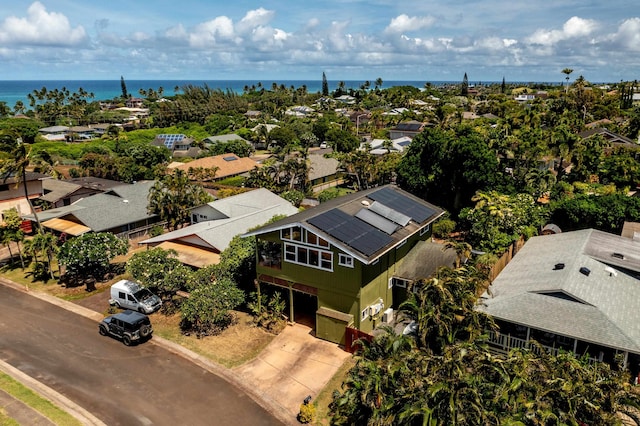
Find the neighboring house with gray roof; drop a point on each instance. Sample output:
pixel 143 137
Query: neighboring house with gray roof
pixel 215 224
pixel 577 291
pixel 122 210
pixel 324 172
pixel 231 137
pixel 60 193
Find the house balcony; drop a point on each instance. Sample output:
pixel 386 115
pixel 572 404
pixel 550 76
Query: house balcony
pixel 273 262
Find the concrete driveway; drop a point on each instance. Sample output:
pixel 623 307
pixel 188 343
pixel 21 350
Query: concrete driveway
pixel 294 365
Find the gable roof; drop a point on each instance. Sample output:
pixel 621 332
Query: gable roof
pixel 120 206
pixel 243 212
pixel 564 284
pixel 29 177
pixel 409 126
pixel 321 166
pixel 225 138
pixel 364 224
pixel 610 136
pixel 227 164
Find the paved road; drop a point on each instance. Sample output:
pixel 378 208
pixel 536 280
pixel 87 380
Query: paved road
pixel 120 385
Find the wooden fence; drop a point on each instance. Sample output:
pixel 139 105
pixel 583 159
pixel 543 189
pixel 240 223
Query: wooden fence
pixel 505 259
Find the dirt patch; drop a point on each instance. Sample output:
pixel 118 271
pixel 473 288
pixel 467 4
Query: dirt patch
pixel 234 346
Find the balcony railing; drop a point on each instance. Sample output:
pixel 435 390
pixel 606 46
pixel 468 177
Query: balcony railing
pixel 505 342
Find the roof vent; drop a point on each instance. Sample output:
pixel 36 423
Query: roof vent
pixel 365 203
pixel 584 270
pixel 612 272
pixel 558 266
pixel 618 255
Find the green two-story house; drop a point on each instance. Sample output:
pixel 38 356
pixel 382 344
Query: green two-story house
pixel 339 262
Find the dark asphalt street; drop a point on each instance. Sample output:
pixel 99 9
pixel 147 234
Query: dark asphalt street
pixel 120 385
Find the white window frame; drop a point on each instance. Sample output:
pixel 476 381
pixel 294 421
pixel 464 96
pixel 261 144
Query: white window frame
pixel 320 242
pixel 345 260
pixel 403 242
pixel 364 314
pixel 390 284
pixel 425 229
pixel 399 282
pixel 292 256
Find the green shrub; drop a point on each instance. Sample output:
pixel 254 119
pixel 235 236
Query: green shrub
pixel 444 227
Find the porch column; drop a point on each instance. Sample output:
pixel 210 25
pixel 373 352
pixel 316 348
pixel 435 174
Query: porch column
pixel 528 335
pixel 575 346
pixel 626 360
pixel 291 318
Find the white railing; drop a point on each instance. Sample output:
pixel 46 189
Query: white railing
pixel 506 342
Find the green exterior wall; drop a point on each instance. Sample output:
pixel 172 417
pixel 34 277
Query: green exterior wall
pixel 345 289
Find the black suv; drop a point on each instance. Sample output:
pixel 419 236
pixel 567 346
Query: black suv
pixel 130 326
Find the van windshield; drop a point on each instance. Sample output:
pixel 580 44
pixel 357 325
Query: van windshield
pixel 143 294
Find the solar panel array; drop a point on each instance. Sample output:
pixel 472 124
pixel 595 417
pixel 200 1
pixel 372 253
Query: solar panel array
pixel 403 204
pixel 377 221
pixel 389 213
pixel 352 231
pixel 170 140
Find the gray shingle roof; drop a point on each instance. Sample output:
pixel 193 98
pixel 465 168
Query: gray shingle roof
pixel 244 212
pixel 122 205
pixel 601 307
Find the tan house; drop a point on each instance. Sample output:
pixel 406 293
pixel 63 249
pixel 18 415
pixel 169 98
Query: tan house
pixel 221 167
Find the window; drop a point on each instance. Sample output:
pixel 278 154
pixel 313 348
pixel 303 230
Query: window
pixel 399 282
pixel 425 229
pixel 364 314
pixel 345 260
pixel 308 256
pixel 296 233
pixel 403 242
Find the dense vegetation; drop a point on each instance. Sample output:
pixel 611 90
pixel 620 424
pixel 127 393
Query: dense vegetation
pixel 501 168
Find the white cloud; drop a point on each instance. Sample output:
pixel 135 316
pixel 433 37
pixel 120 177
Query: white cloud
pixel 628 35
pixel 404 23
pixel 575 27
pixel 255 18
pixel 211 32
pixel 41 28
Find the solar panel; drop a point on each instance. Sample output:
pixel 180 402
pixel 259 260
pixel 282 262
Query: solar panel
pixel 377 221
pixel 389 213
pixel 170 140
pixel 402 204
pixel 351 231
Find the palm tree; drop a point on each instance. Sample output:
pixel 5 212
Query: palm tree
pixel 567 71
pixel 17 165
pixel 462 249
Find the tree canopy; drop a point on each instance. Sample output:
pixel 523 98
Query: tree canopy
pixel 90 253
pixel 173 195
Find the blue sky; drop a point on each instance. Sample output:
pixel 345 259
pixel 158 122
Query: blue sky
pixel 271 40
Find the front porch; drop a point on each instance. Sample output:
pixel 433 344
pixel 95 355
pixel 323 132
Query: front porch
pixel 512 336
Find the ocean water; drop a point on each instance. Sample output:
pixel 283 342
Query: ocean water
pixel 12 91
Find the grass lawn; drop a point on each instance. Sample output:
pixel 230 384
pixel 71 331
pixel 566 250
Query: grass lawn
pixel 33 400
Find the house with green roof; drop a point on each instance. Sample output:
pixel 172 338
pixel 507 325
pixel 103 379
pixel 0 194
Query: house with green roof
pixel 337 263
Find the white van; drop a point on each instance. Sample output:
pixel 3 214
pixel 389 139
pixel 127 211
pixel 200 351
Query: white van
pixel 131 295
